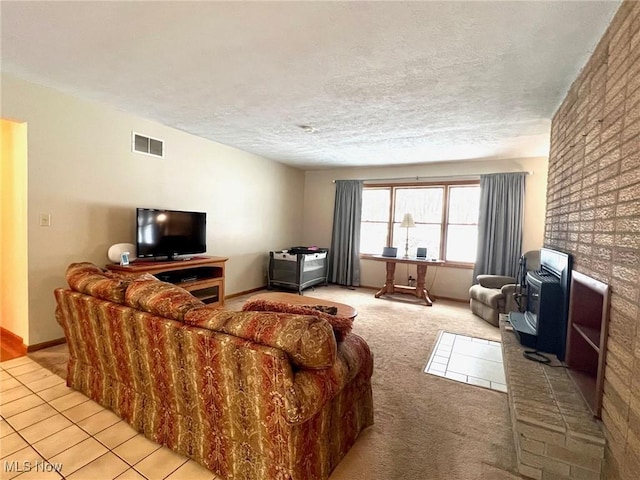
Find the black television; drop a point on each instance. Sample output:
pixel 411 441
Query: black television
pixel 170 233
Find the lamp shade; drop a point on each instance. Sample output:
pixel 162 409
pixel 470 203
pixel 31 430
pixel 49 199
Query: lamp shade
pixel 407 221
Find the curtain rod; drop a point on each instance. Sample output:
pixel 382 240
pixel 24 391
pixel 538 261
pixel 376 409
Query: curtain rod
pixel 471 176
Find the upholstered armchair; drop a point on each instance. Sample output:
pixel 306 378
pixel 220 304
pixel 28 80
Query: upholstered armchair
pixel 496 294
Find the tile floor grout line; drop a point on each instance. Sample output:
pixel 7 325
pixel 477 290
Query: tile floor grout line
pixel 433 352
pixel 22 398
pixel 175 470
pixel 29 445
pixel 143 458
pixel 478 358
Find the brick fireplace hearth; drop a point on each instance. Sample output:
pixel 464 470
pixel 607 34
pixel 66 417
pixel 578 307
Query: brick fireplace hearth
pixel 555 433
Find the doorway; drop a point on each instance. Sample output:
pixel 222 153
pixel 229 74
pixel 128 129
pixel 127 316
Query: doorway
pixel 14 294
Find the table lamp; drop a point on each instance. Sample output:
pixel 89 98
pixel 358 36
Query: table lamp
pixel 407 222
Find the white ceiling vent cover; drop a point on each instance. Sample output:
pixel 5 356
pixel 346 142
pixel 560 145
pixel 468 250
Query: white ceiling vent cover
pixel 147 145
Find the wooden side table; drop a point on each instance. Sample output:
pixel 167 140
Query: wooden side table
pixel 420 290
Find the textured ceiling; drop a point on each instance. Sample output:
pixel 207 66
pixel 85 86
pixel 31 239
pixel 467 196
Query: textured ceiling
pixel 380 82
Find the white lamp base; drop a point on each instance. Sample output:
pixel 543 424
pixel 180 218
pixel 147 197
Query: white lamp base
pixel 406 246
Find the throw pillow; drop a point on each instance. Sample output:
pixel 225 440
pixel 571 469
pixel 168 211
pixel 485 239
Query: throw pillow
pixel 341 325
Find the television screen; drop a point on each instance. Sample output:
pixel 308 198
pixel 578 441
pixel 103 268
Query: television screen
pixel 169 233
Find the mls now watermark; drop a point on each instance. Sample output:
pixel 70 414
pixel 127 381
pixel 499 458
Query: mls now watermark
pixel 27 466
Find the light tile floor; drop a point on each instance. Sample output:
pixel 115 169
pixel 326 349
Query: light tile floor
pixel 49 431
pixel 468 360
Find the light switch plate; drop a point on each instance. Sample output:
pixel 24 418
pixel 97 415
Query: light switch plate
pixel 45 219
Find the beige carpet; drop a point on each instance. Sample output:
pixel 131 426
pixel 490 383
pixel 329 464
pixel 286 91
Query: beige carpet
pixel 426 427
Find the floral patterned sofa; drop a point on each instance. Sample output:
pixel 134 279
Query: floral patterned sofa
pixel 249 395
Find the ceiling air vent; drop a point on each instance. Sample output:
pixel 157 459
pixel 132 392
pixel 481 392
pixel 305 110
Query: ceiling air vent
pixel 147 145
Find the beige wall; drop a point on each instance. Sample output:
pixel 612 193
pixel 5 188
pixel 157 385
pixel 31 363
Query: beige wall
pixel 82 172
pixel 446 282
pixel 593 212
pixel 13 230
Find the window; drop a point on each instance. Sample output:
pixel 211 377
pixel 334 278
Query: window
pixel 445 214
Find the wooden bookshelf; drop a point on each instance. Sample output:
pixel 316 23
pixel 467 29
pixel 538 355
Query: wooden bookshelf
pixel 587 337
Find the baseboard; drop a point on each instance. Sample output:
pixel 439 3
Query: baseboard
pixel 451 299
pixel 265 287
pixel 13 341
pixel 433 297
pixel 245 292
pixel 367 287
pixel 50 343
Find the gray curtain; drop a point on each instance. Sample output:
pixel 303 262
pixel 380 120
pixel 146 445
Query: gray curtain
pixel 500 224
pixel 344 265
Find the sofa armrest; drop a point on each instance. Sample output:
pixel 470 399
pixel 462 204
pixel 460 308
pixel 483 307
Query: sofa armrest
pixel 494 281
pixel 312 389
pixel 87 278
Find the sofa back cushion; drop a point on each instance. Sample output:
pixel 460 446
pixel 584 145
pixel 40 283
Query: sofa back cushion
pixel 160 298
pixel 85 277
pixel 308 341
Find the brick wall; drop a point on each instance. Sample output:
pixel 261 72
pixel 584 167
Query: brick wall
pixel 593 212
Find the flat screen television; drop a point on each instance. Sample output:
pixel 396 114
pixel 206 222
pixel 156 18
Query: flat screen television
pixel 170 233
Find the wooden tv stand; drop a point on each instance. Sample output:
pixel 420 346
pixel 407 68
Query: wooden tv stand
pixel 202 276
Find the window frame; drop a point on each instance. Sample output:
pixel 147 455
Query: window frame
pixel 446 186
